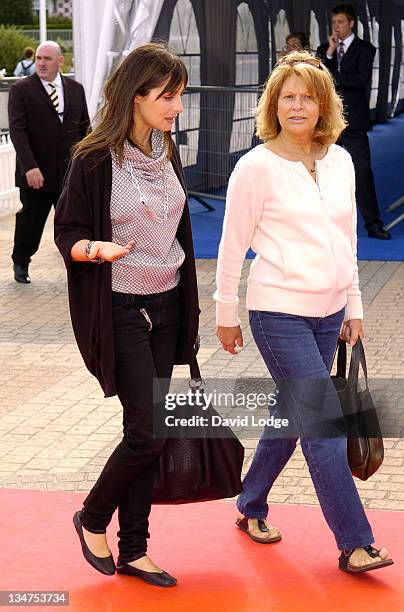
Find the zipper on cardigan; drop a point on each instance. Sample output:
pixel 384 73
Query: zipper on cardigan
pixel 146 316
pixel 326 215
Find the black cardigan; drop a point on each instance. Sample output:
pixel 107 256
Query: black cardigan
pixel 83 212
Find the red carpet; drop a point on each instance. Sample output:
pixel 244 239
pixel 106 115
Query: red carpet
pixel 218 568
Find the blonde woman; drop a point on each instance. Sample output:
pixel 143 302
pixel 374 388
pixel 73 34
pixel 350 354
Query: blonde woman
pixel 292 200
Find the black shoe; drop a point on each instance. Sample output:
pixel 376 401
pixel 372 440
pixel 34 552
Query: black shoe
pixel 161 579
pixel 105 565
pixel 379 233
pixel 21 274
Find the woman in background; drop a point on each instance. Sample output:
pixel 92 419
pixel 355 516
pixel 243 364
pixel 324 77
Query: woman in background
pixel 295 41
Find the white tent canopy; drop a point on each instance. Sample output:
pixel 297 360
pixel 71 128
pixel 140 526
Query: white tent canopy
pixel 103 31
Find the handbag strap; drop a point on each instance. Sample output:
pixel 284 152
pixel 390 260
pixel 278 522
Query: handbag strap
pixel 358 359
pixel 341 359
pixel 195 373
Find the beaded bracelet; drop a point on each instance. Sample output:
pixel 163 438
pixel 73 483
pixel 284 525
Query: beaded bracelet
pixel 87 249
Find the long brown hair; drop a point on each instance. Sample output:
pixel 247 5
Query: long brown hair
pixel 149 66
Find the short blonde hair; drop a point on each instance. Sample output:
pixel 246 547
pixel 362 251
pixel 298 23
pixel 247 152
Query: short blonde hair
pixel 320 85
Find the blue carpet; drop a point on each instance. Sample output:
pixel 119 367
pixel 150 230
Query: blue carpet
pixel 386 143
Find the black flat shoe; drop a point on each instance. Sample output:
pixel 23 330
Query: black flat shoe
pixel 21 274
pixel 345 566
pixel 105 565
pixel 161 579
pixel 379 233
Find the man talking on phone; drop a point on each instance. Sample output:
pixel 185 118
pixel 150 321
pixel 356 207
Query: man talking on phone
pixel 350 60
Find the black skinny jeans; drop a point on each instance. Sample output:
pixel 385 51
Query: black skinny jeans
pixel 141 355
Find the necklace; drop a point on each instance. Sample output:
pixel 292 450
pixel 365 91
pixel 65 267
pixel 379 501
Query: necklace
pixel 313 169
pixel 149 211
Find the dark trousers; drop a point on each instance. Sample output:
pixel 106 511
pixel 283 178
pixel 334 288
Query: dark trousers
pixel 141 355
pixel 356 142
pixel 30 222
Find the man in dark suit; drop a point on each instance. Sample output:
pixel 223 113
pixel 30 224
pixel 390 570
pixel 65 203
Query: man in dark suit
pixel 47 115
pixel 350 60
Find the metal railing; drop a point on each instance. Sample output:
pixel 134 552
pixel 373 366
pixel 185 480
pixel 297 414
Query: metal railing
pixel 215 129
pixel 392 208
pixel 9 198
pixel 66 34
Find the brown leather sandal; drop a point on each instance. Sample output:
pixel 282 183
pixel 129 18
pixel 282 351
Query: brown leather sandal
pixel 242 523
pixel 345 566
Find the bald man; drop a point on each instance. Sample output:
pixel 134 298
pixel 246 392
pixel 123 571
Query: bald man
pixel 47 116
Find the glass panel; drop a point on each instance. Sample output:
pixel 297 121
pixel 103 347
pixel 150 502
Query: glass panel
pixel 281 30
pixel 392 57
pixel 360 29
pixel 270 42
pixel 243 121
pixel 375 77
pixel 246 45
pixel 369 21
pixel 246 75
pixel 314 32
pixel 184 40
pixel 189 123
pixel 401 86
pixel 246 39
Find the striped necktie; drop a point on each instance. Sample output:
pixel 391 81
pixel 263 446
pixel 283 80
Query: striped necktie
pixel 54 97
pixel 340 54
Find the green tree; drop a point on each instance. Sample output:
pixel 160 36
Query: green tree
pixel 15 12
pixel 12 44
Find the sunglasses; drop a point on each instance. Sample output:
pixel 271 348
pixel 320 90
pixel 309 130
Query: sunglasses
pixel 312 62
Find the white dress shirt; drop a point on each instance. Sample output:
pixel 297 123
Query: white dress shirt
pixel 59 89
pixel 347 43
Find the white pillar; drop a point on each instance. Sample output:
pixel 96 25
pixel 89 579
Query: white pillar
pixel 87 24
pixel 42 21
pixel 104 47
pixel 93 31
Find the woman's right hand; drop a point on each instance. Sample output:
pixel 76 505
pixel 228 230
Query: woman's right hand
pixel 230 337
pixel 109 251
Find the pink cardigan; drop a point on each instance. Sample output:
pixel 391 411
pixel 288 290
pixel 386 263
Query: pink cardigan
pixel 303 234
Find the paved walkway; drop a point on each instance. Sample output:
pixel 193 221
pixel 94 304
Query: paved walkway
pixel 56 429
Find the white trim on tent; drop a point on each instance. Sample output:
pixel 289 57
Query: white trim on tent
pixel 94 23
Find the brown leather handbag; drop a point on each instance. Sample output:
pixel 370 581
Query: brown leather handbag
pixel 365 441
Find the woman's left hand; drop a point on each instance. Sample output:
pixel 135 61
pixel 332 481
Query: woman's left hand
pixel 351 331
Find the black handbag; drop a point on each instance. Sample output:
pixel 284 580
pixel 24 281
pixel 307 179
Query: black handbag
pixel 192 469
pixel 365 441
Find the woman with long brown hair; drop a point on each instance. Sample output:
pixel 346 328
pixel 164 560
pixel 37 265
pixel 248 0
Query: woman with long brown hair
pixel 135 314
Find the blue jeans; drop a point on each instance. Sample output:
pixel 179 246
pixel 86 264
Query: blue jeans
pixel 302 348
